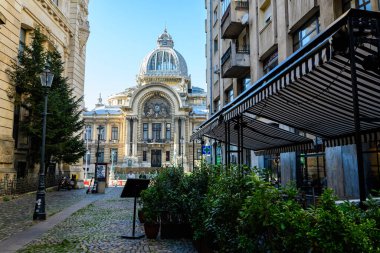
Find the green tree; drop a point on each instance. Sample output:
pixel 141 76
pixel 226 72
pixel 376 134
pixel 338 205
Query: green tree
pixel 64 123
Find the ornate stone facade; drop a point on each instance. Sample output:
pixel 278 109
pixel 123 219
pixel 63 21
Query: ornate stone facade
pixel 149 125
pixel 65 24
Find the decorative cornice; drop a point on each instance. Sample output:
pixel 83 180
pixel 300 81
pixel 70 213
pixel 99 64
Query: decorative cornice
pixel 57 15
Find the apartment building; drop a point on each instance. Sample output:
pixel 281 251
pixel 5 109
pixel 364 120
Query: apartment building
pixel 251 44
pixel 64 22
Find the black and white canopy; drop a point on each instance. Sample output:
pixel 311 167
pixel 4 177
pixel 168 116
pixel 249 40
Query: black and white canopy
pixel 312 90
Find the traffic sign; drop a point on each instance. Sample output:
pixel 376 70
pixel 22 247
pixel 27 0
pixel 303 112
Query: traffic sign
pixel 206 150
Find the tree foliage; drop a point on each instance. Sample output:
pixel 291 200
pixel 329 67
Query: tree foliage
pixel 64 123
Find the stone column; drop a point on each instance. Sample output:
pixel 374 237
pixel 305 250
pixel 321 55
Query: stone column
pixel 285 47
pixel 134 145
pixel 126 137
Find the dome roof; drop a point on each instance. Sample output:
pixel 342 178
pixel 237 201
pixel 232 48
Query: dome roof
pixel 164 60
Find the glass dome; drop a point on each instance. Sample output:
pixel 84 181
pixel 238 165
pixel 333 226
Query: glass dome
pixel 164 60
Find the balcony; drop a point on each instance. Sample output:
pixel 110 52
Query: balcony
pixel 156 141
pixel 235 62
pixel 233 23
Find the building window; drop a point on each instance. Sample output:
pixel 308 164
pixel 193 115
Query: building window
pixel 364 4
pixel 225 5
pixel 230 95
pixel 244 85
pixel 145 131
pixel 372 155
pixel 168 134
pixel 102 133
pixel 144 156
pixel 215 14
pixel 167 156
pixel 101 155
pixel 360 4
pixel 119 101
pixel 216 44
pixel 216 105
pixel 265 14
pixel 311 173
pixel 114 133
pixel 156 127
pixel 22 41
pixel 270 62
pixel 303 35
pixel 88 133
pixel 55 2
pixel 113 155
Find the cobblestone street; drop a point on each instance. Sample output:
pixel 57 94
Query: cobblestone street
pixel 95 228
pixel 16 215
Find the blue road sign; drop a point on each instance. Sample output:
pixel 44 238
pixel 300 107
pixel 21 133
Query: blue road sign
pixel 206 150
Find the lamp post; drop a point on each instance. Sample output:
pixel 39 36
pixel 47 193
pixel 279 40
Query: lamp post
pixel 182 142
pixel 39 210
pixel 87 152
pixel 111 174
pixel 100 128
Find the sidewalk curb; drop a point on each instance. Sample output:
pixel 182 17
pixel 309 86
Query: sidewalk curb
pixel 19 240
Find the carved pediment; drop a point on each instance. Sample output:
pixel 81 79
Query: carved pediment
pixel 156 107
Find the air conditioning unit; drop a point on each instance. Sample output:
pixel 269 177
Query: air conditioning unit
pixel 216 69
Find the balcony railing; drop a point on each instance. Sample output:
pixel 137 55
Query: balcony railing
pixel 235 61
pixel 226 55
pixel 241 4
pixel 231 23
pixel 152 141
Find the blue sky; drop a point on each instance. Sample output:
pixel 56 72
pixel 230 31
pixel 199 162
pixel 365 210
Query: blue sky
pixel 123 32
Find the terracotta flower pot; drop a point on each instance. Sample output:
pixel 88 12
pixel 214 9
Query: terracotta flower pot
pixel 140 214
pixel 151 230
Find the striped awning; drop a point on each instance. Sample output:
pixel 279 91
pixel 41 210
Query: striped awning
pixel 312 91
pixel 258 135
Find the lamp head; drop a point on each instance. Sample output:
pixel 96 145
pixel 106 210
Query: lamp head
pixel 46 77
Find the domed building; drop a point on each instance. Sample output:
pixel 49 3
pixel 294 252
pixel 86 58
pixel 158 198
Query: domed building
pixel 149 125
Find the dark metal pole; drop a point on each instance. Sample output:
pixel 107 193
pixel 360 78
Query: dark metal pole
pixel 225 143
pixel 97 159
pixel 193 154
pixel 39 209
pixel 239 141
pixel 183 143
pixel 228 143
pixel 241 129
pixel 355 99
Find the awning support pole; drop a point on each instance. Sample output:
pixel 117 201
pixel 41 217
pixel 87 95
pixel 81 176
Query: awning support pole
pixel 239 140
pixel 193 154
pixel 359 148
pixel 228 143
pixel 225 143
pixel 242 140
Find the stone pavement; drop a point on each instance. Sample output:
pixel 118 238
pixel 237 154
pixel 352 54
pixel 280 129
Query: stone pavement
pixel 98 228
pixel 17 215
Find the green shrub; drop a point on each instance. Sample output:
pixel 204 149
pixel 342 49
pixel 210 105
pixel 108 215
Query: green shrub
pixel 196 186
pixel 270 223
pixel 6 198
pixel 226 194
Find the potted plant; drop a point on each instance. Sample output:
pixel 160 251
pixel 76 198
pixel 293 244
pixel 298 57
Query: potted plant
pixel 150 210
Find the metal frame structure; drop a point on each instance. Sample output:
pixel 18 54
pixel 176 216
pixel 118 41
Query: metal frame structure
pixel 325 88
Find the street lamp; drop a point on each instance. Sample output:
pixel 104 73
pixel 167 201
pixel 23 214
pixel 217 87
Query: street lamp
pixel 39 210
pixel 100 128
pixel 182 146
pixel 87 151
